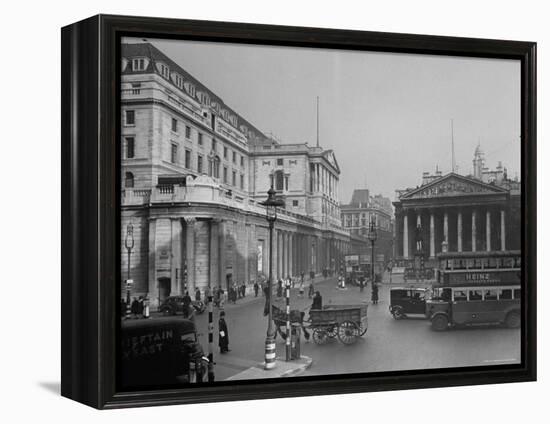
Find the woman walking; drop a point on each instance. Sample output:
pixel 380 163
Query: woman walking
pixel 374 293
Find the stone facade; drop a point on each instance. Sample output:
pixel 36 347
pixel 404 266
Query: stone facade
pixel 458 214
pixel 193 175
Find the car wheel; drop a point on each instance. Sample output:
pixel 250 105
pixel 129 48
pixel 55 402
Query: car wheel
pixel 398 313
pixel 440 323
pixel 513 320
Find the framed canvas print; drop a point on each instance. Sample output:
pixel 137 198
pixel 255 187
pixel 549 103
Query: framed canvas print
pixel 256 211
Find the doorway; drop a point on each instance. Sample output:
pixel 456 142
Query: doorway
pixel 164 289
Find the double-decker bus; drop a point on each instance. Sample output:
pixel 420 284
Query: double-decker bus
pixel 473 288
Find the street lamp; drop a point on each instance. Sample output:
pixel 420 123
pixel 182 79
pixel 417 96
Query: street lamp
pixel 372 237
pixel 129 243
pixel 271 205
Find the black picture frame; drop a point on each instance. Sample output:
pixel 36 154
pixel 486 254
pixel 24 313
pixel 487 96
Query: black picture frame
pixel 90 207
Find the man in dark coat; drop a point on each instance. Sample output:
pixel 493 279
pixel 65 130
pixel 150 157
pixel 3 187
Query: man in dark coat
pixel 223 339
pixel 256 288
pixel 186 304
pixel 134 307
pixel 198 295
pixel 374 293
pixel 317 301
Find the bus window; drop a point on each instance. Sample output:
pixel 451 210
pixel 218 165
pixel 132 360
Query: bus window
pixel 491 294
pixel 517 294
pixel 460 295
pixel 475 294
pixel 505 294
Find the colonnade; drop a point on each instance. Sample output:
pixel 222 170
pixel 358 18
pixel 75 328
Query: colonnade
pixel 453 229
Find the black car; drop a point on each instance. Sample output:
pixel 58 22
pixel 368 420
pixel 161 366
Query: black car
pixel 174 305
pixel 405 301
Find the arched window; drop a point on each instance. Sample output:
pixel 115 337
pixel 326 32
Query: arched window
pixel 129 180
pixel 279 181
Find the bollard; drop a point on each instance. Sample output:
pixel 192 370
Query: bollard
pixel 210 340
pixel 288 335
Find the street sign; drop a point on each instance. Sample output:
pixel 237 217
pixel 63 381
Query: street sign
pixel 129 283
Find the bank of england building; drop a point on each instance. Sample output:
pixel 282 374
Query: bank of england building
pixel 194 172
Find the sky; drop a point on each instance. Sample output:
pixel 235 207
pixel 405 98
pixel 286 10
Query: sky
pixel 387 116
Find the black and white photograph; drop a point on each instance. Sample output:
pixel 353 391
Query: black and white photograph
pixel 290 212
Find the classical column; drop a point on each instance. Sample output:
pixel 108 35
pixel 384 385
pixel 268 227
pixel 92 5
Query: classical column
pixel 459 231
pixel 213 255
pixel 446 227
pixel 474 231
pixel 190 254
pixel 488 231
pixel 221 255
pixel 291 254
pixel 405 235
pixel 432 235
pixel 152 271
pixel 175 263
pixel 502 230
pixel 279 254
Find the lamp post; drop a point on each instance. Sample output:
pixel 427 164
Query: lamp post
pixel 372 237
pixel 271 205
pixel 129 243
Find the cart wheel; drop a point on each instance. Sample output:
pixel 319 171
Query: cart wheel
pixel 440 323
pixel 397 313
pixel 332 332
pixel 348 332
pixel 363 330
pixel 320 336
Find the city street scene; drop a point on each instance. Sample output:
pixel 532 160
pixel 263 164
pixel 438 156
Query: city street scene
pixel 292 212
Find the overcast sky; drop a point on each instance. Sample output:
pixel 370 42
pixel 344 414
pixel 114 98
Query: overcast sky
pixel 387 116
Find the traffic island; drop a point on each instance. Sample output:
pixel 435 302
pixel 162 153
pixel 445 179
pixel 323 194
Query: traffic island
pixel 282 369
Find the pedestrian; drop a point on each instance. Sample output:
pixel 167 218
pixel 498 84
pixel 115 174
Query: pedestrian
pixel 301 290
pixel 221 301
pixel 244 289
pixel 312 275
pixel 310 291
pixel 198 295
pixel 361 284
pixel 280 288
pixel 134 307
pixel 140 307
pixel 256 288
pixel 223 339
pixel 302 277
pixel 317 301
pixel 374 293
pixel 186 304
pixel 207 293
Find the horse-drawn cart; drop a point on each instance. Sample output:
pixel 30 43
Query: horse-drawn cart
pixel 347 322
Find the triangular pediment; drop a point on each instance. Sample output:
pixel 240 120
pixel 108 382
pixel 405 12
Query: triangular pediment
pixel 452 185
pixel 331 158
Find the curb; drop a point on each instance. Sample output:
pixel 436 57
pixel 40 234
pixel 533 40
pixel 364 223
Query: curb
pixel 302 368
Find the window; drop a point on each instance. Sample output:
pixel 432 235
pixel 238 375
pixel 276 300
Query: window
pixel 188 159
pixel 164 70
pixel 129 180
pixel 242 161
pixel 475 294
pixel 214 144
pixel 279 180
pixel 178 80
pixel 187 132
pixel 199 139
pixel 174 153
pixel 224 152
pixel 506 294
pixel 460 295
pixel 234 157
pixel 138 64
pixel 130 147
pixel 286 182
pixel 279 162
pixel 295 203
pixel 199 164
pixel 174 125
pixel 242 182
pixel 216 167
pixel 517 294
pixel 225 175
pixel 490 294
pixel 130 117
pixel 234 178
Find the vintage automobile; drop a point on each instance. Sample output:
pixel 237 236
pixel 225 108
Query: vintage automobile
pixel 406 301
pixel 160 351
pixel 174 305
